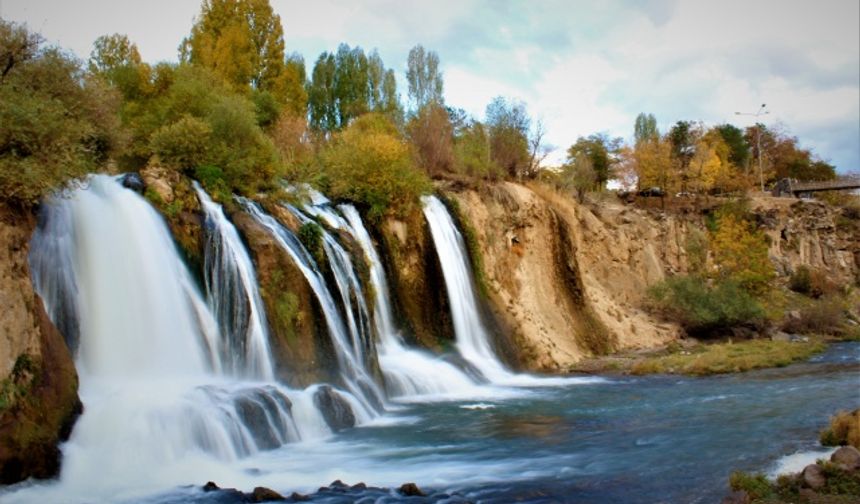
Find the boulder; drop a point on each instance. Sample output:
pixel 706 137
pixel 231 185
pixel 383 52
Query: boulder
pixel 133 181
pixel 334 408
pixel 813 476
pixel 263 494
pixel 297 497
pixel 847 457
pixel 411 490
pixel 210 486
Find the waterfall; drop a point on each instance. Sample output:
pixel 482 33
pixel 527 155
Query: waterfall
pixel 473 340
pixel 233 296
pixel 159 410
pixel 347 344
pixel 407 372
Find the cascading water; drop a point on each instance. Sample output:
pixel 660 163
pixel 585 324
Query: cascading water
pixel 407 372
pixel 233 297
pixel 159 411
pixel 346 344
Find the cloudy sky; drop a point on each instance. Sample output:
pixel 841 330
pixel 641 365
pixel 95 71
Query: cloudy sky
pixel 580 66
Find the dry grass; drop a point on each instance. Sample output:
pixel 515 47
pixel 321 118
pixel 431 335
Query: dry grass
pixel 729 357
pixel 844 430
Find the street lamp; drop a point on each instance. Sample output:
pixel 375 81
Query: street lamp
pixel 761 111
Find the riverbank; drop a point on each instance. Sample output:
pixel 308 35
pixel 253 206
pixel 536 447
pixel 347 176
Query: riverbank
pixel 689 357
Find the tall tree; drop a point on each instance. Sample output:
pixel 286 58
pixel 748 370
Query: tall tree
pixel 241 40
pixel 645 128
pixel 322 96
pixel 739 148
pixel 351 83
pixel 431 132
pixel 111 52
pixel 424 77
pixel 601 149
pixel 509 124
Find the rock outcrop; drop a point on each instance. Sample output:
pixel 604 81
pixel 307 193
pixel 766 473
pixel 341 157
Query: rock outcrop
pixel 38 382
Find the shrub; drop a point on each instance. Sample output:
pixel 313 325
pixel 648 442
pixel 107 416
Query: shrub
pixel 369 164
pixel 844 430
pixel 756 485
pixel 310 234
pixel 811 282
pixel 741 253
pixel 182 145
pixel 826 316
pixel 704 309
pixel 55 124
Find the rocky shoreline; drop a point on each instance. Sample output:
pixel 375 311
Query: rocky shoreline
pixel 337 491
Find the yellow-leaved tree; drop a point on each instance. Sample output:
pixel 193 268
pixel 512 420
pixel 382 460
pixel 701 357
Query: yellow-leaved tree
pixel 741 254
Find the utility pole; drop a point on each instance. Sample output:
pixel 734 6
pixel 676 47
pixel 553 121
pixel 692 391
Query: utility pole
pixel 761 111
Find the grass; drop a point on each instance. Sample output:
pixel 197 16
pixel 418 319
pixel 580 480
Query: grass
pixel 844 429
pixel 729 357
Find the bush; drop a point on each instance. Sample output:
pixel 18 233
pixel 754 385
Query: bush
pixel 741 253
pixel 756 485
pixel 811 282
pixel 55 124
pixel 310 234
pixel 369 164
pixel 826 316
pixel 844 430
pixel 703 309
pixel 182 145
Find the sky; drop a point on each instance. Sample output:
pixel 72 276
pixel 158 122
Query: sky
pixel 580 67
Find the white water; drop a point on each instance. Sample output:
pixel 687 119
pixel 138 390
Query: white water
pixel 233 296
pixel 158 412
pixel 473 338
pixel 352 367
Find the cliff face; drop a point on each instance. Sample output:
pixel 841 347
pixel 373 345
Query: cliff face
pixel 570 279
pixel 38 381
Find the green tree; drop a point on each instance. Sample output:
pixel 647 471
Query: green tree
pixel 112 52
pixel 322 95
pixel 424 77
pixel 645 128
pixel 739 148
pixel 431 133
pixel 601 150
pixel 352 84
pixel 579 176
pixel 472 149
pixel 57 124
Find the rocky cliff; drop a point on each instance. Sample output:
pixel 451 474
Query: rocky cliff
pixel 569 279
pixel 38 391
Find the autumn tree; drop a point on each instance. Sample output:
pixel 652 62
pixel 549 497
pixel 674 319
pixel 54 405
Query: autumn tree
pixel 508 124
pixel 424 77
pixel 653 164
pixel 784 158
pixel 472 155
pixel 601 150
pixel 431 132
pixel 111 52
pixel 741 254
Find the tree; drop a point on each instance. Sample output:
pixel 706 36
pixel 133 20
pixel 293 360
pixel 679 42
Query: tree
pixel 424 77
pixel 370 164
pixel 111 52
pixel 241 40
pixel 783 158
pixel 653 165
pixel 601 150
pixel 431 132
pixel 472 148
pixel 57 124
pixel 508 124
pixel 579 176
pixel 351 84
pixel 322 96
pixel 739 148
pixel 645 128
pixel 741 254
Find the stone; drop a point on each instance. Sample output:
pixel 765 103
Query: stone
pixel 813 476
pixel 297 497
pixel 847 457
pixel 411 490
pixel 210 486
pixel 263 494
pixel 334 408
pixel 780 336
pixel 739 497
pixel 133 181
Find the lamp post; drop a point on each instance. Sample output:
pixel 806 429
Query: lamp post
pixel 761 111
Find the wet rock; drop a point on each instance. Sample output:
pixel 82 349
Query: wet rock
pixel 334 408
pixel 848 457
pixel 297 497
pixel 411 490
pixel 254 417
pixel 210 486
pixel 358 486
pixel 133 181
pixel 739 497
pixel 338 486
pixel 813 476
pixel 263 494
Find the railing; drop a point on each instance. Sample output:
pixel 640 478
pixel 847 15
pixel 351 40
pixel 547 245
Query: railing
pixel 793 187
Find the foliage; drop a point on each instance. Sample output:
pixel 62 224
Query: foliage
pixel 369 164
pixel 739 148
pixel 844 429
pixel 653 164
pixel 182 145
pixel 645 129
pixel 111 53
pixel 731 357
pixel 741 254
pixel 424 77
pixel 811 282
pixel 756 485
pixel 431 132
pixel 579 176
pixel 783 158
pixel 57 125
pixel 601 150
pixel 472 152
pixel 705 309
pixel 346 85
pixel 508 124
pixel 311 236
pixel 825 316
